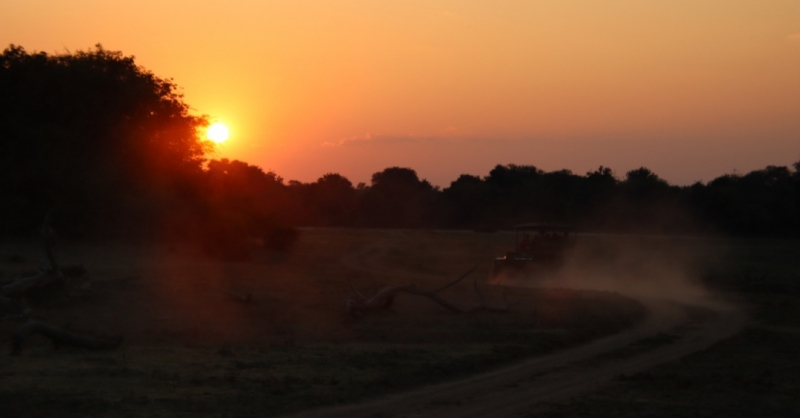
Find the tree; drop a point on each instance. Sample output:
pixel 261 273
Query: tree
pixel 335 199
pixel 398 198
pixel 92 135
pixel 599 187
pixel 515 192
pixel 603 175
pixel 643 183
pixel 467 201
pixel 244 198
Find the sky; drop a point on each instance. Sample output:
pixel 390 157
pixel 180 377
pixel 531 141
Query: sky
pixel 689 89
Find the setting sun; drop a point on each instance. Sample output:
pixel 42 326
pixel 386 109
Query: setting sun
pixel 218 133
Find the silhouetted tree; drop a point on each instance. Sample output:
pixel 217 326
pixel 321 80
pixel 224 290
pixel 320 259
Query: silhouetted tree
pixel 467 201
pixel 601 181
pixel 768 207
pixel 245 198
pixel 335 198
pixel 92 135
pixel 398 198
pixel 643 183
pixel 563 197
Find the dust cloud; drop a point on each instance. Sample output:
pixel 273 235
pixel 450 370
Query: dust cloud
pixel 642 267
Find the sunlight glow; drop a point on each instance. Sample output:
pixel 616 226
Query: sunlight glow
pixel 457 87
pixel 218 132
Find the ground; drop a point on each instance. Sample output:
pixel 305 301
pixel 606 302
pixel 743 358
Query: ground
pixel 755 373
pixel 192 350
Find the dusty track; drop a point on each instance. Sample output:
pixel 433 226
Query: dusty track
pixel 516 389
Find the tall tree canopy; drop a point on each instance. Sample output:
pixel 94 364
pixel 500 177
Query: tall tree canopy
pixel 398 198
pixel 89 133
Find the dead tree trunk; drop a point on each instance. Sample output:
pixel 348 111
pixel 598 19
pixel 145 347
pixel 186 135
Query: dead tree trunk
pixel 23 285
pixel 12 299
pixel 47 243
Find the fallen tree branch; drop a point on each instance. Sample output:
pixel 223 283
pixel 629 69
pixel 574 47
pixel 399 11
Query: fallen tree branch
pixel 359 305
pixel 484 307
pixel 24 285
pixel 60 337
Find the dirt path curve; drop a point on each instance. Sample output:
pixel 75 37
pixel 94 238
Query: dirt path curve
pixel 515 389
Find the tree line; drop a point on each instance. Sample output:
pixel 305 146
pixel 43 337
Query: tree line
pixel 760 203
pixel 110 149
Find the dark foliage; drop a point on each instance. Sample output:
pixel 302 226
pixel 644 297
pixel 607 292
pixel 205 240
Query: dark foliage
pixel 398 198
pixel 281 238
pixel 94 138
pixel 761 203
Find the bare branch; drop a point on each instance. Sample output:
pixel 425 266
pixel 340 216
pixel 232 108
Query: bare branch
pixel 478 291
pixel 358 304
pixel 23 285
pixel 355 291
pixel 60 337
pixel 47 237
pixel 470 271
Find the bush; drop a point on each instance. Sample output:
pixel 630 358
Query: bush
pixel 224 244
pixel 281 238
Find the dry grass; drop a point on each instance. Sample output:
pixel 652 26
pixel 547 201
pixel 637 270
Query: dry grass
pixel 191 350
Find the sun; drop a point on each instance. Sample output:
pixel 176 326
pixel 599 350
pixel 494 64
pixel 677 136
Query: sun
pixel 218 132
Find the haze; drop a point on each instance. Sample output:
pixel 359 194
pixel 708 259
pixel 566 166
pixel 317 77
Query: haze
pixel 690 89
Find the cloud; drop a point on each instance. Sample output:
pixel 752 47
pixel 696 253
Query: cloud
pixel 350 140
pixel 446 137
pixel 794 37
pixel 447 134
pixel 370 139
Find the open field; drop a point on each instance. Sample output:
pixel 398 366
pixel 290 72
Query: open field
pixel 192 350
pixel 673 346
pixel 683 317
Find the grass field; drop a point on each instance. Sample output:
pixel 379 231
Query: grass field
pixel 192 350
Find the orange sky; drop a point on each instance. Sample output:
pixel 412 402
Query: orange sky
pixel 689 89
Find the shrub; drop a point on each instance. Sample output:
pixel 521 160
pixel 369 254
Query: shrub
pixel 281 238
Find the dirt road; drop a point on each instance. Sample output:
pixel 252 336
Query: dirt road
pixel 514 390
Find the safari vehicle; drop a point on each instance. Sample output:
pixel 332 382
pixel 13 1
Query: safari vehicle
pixel 538 248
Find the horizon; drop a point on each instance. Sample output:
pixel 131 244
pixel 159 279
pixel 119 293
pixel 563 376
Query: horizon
pixel 690 91
pixel 619 176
